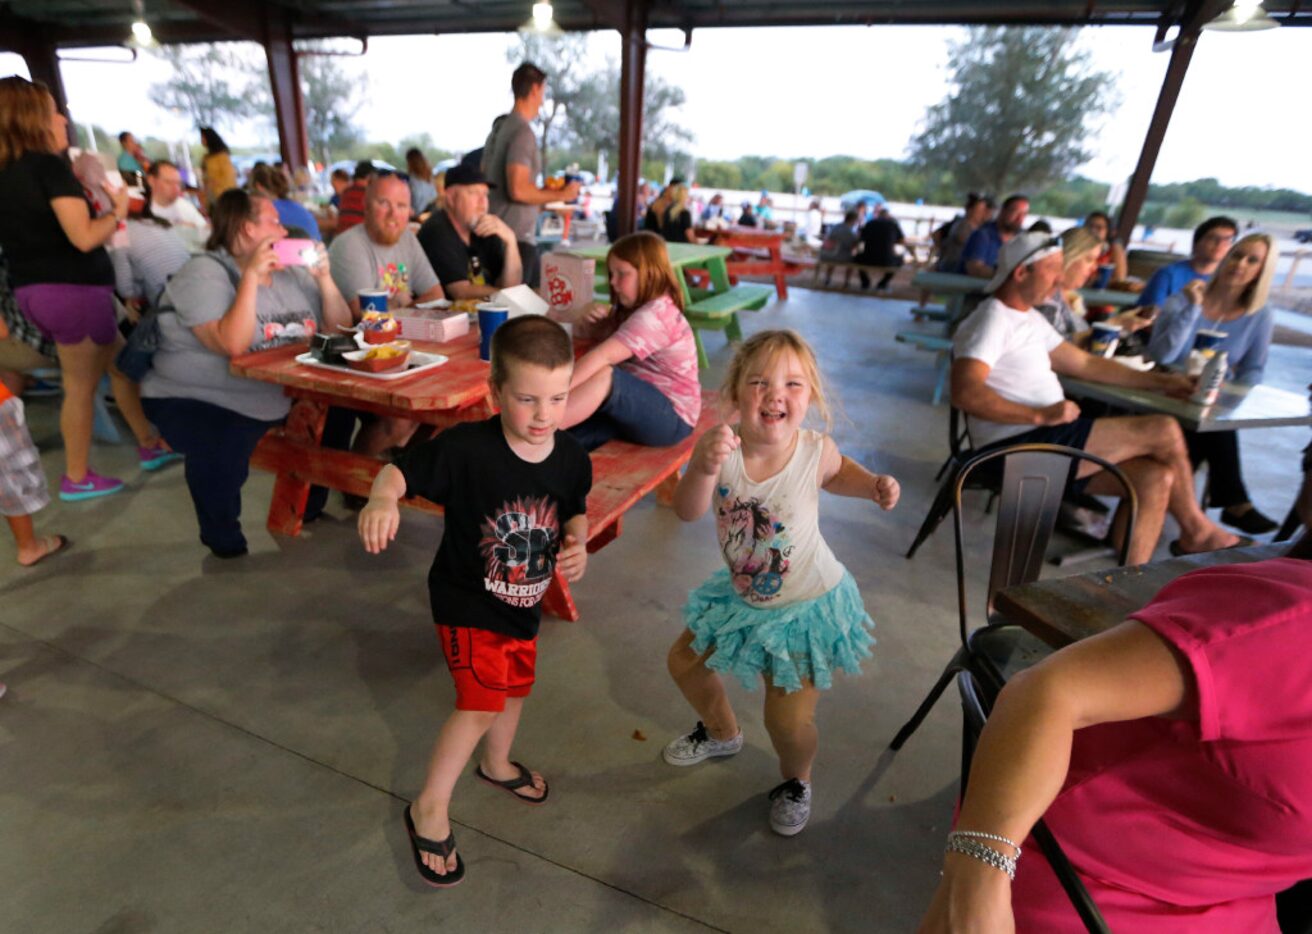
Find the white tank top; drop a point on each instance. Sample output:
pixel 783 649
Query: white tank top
pixel 769 531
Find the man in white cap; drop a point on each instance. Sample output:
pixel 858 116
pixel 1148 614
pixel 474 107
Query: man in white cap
pixel 1007 358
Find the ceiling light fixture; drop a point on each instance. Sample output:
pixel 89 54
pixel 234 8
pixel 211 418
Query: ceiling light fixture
pixel 141 32
pixel 542 16
pixel 1244 16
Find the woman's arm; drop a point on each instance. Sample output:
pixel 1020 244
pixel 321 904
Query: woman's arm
pixel 83 231
pixel 1120 263
pixel 1250 367
pixel 1024 751
pixel 1173 327
pixel 609 352
pixel 233 333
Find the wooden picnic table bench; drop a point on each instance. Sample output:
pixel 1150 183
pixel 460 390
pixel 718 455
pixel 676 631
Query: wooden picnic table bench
pixel 756 252
pixel 935 339
pixel 718 311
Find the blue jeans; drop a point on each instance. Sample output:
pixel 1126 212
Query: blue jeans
pixel 218 444
pixel 634 411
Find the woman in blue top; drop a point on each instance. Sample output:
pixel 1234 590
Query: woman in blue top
pixel 269 182
pixel 1234 301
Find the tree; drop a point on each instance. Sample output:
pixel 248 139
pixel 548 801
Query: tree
pixel 1022 104
pixel 332 99
pixel 212 83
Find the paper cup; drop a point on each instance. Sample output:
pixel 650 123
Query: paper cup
pixel 1104 276
pixel 490 317
pixel 372 299
pixel 1105 339
pixel 1207 341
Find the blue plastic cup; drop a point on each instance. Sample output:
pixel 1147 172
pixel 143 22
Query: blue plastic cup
pixel 1207 341
pixel 1104 276
pixel 372 299
pixel 490 317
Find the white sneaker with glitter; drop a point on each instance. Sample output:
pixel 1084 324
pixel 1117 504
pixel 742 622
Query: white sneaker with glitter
pixel 698 746
pixel 790 807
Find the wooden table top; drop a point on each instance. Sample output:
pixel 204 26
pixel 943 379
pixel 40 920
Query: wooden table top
pixel 1066 609
pixel 460 382
pixel 1237 407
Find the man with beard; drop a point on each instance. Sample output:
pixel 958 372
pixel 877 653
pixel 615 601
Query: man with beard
pixel 382 253
pixel 473 251
pixel 980 257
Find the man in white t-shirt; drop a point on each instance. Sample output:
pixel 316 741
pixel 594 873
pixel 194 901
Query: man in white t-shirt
pixel 1004 378
pixel 168 203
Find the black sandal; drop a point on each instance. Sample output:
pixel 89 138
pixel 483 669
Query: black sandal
pixel 420 845
pixel 525 780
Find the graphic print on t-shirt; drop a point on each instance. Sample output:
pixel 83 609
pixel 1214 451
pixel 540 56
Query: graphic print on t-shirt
pixel 755 546
pixel 285 329
pixel 519 550
pixel 394 277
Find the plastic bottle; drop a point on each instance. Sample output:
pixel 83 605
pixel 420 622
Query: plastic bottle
pixel 1209 384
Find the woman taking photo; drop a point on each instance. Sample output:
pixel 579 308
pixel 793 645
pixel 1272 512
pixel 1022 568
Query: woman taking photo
pixel 234 299
pixel 1233 302
pixel 62 277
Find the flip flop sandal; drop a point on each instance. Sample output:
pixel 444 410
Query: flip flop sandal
pixel 1178 551
pixel 525 780
pixel 420 845
pixel 62 542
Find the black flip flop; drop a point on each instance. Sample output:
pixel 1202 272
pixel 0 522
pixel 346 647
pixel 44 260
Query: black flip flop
pixel 420 845
pixel 525 780
pixel 1177 550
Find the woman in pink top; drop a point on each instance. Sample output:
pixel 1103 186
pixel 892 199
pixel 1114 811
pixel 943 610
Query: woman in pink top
pixel 639 383
pixel 1169 756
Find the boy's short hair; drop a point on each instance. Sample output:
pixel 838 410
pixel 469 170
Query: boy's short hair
pixel 531 339
pixel 341 174
pixel 1213 223
pixel 525 78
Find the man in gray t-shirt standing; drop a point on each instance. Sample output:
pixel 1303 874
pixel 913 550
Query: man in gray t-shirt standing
pixel 512 164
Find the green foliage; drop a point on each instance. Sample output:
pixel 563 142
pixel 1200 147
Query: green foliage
pixel 719 175
pixel 1186 213
pixel 1211 192
pixel 333 97
pixel 216 84
pixel 1023 102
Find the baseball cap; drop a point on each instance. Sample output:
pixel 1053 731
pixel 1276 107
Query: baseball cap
pixel 1018 251
pixel 461 174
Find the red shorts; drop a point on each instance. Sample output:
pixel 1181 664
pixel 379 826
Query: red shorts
pixel 487 667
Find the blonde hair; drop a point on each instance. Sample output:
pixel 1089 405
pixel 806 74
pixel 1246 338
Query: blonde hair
pixel 24 119
pixel 645 252
pixel 763 349
pixel 1075 243
pixel 1253 297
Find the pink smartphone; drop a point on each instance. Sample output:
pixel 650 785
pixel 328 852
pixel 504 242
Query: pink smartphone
pixel 293 252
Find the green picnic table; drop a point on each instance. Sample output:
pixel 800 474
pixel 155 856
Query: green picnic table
pixel 712 309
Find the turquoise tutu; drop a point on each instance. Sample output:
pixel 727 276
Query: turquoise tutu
pixel 790 644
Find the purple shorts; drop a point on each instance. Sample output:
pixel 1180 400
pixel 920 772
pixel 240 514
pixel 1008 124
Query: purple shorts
pixel 68 314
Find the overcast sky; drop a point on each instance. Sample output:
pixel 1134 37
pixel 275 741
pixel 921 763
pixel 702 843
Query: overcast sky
pixel 809 92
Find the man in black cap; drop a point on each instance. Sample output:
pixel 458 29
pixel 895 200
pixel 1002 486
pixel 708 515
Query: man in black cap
pixel 473 251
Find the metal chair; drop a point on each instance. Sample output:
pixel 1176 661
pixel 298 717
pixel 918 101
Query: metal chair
pixel 960 449
pixel 974 712
pixel 1033 480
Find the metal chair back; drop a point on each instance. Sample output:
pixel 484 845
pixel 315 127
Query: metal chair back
pixel 1033 480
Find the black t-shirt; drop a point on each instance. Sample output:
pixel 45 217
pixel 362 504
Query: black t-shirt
pixel 505 519
pixel 479 263
pixel 879 236
pixel 34 243
pixel 672 229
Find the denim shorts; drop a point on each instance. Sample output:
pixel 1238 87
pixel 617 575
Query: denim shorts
pixel 634 411
pixel 68 314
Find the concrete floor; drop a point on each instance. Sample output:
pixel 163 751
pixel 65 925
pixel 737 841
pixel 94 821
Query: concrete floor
pixel 195 745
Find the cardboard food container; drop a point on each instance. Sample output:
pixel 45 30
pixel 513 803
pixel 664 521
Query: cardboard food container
pixel 567 281
pixel 438 325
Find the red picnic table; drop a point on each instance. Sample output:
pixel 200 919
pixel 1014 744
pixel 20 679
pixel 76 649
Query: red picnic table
pixel 456 391
pixel 757 252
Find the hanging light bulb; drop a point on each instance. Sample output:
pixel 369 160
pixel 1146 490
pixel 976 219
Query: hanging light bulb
pixel 542 16
pixel 141 32
pixel 1244 16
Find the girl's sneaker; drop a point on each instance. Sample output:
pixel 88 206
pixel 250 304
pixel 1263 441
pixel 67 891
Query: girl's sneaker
pixel 156 456
pixel 698 746
pixel 790 807
pixel 91 486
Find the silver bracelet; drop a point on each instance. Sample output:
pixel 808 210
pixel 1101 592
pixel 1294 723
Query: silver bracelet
pixel 978 835
pixel 985 854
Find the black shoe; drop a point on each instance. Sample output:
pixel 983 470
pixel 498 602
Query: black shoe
pixel 1250 522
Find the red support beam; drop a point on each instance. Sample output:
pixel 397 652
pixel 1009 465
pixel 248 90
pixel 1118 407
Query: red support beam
pixel 633 64
pixel 285 81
